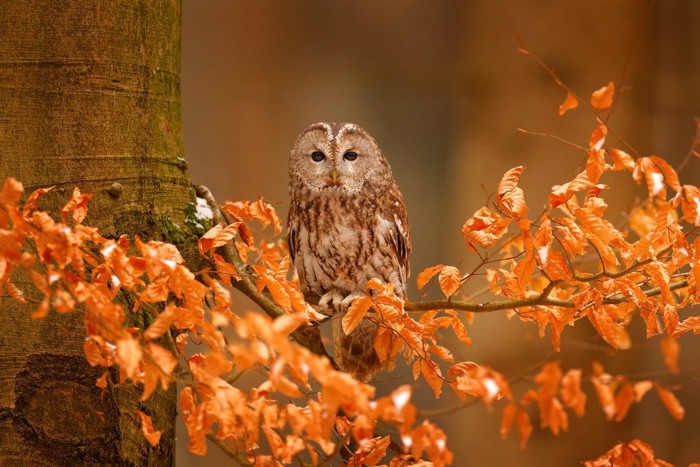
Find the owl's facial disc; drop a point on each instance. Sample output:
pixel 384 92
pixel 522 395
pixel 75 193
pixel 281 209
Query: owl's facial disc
pixel 336 157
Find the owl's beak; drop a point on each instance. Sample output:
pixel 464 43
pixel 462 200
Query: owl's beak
pixel 334 176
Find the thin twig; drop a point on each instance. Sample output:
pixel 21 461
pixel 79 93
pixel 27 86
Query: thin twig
pixel 240 458
pixel 336 450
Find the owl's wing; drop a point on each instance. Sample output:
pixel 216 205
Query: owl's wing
pixel 292 243
pixel 401 240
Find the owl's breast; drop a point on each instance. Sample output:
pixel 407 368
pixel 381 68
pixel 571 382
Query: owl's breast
pixel 339 247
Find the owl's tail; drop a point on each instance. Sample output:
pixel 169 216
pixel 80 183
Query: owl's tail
pixel 355 352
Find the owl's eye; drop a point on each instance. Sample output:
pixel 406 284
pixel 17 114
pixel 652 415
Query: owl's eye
pixel 317 156
pixel 350 156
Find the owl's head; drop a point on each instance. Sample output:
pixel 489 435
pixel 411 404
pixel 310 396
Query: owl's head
pixel 336 156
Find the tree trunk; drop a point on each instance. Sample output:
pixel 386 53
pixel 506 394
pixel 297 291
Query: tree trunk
pixel 89 97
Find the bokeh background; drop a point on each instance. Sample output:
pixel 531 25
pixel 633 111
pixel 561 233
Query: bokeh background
pixel 441 86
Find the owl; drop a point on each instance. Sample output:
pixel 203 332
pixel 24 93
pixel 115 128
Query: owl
pixel 347 224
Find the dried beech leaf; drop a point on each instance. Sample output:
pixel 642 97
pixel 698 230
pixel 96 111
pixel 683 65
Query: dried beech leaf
pixel 510 197
pixel 669 400
pixel 522 420
pixel 358 309
pixel 149 433
pixel 670 349
pixel 602 99
pixel 77 205
pixel 427 274
pixel 569 103
pixel 450 279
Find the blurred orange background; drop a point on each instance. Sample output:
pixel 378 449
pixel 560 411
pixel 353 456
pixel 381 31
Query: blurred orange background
pixel 443 89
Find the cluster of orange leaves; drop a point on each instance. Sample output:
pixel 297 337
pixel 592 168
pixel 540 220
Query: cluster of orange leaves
pixel 80 269
pixel 304 405
pixel 547 275
pixel 634 453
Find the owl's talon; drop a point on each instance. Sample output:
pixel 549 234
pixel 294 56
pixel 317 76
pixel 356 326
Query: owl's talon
pixel 332 298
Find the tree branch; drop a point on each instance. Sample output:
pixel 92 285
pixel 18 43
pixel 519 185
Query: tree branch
pixel 246 284
pixel 309 337
pixel 537 300
pixel 240 458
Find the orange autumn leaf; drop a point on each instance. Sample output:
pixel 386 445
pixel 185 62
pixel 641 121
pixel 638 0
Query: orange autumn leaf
pixel 543 241
pixel 442 352
pixel 595 165
pixel 92 347
pixel 669 173
pixel 357 310
pixel 427 274
pixel 690 204
pixel 11 192
pixel 605 325
pixel 450 280
pixel 128 355
pixel 472 379
pixel 164 359
pixel 510 198
pixel 569 103
pixel 658 173
pixel 426 438
pixel 621 160
pixel 484 228
pixel 278 292
pixel 571 393
pixel 224 269
pixel 602 99
pixel 670 350
pixel 641 388
pixel 63 302
pixel 77 205
pixel 32 203
pixel 156 291
pixel 382 344
pixel 508 418
pixel 149 433
pixel 688 324
pixel 461 331
pixel 658 273
pixel 632 454
pixel 624 399
pixel 669 400
pixel 375 449
pixel 431 373
pixel 552 413
pixel 572 238
pixel 286 324
pixel 522 420
pixel 600 232
pixel 604 391
pixel 102 380
pixel 258 210
pixel 560 194
pixel 641 219
pixel 217 236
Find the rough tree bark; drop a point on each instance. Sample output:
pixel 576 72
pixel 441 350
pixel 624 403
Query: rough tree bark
pixel 89 97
